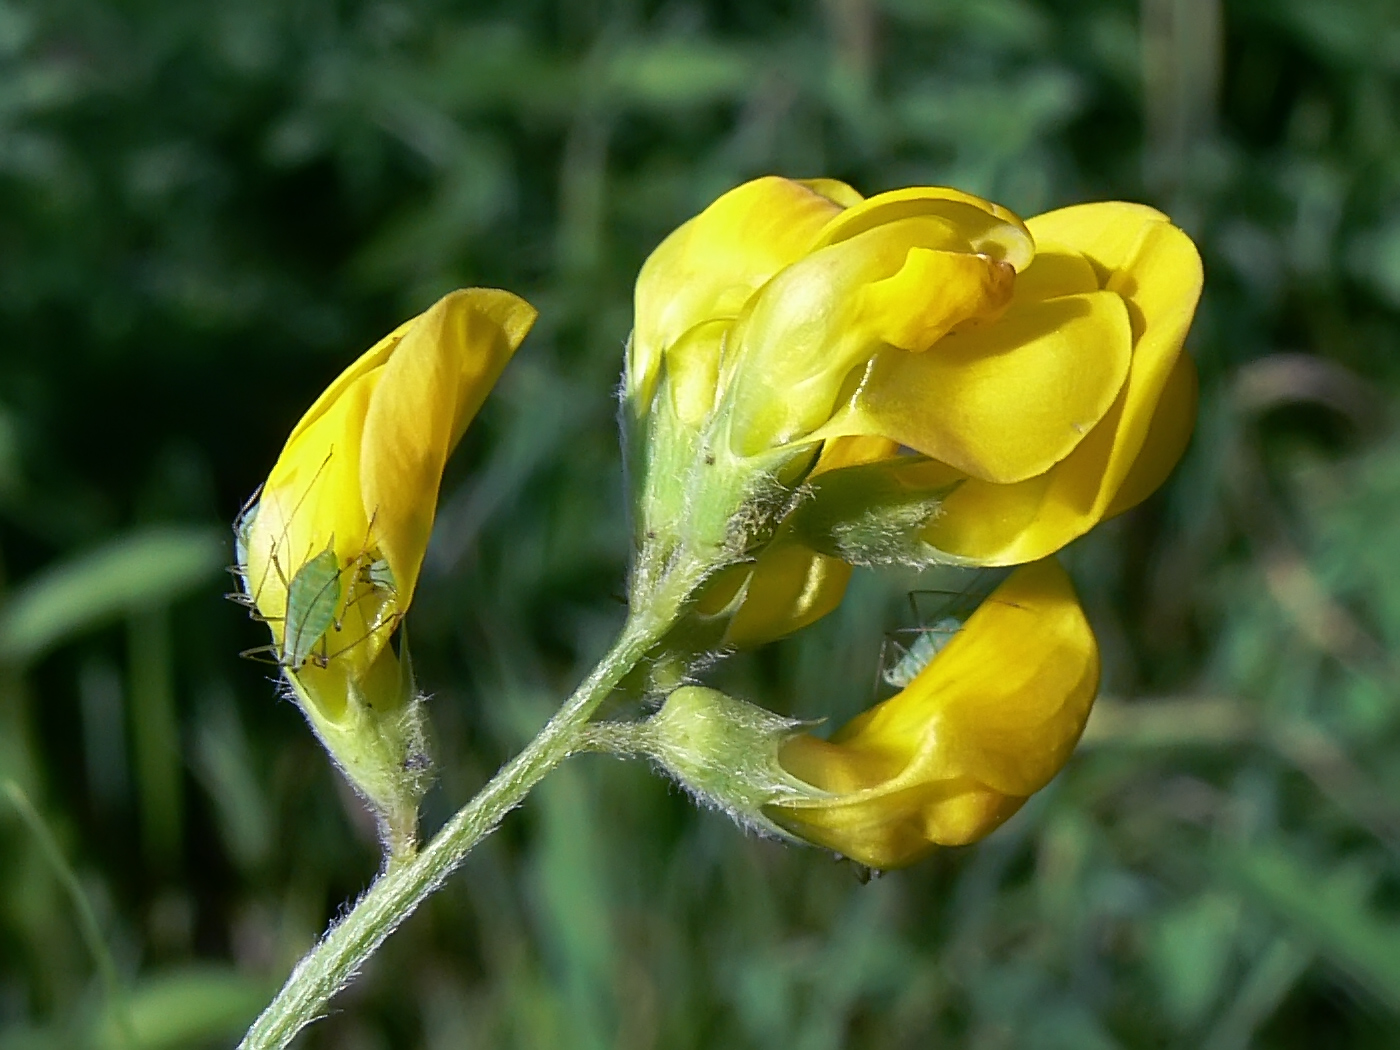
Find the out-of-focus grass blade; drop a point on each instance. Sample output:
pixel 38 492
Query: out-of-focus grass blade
pixel 187 1007
pixel 225 767
pixel 1273 975
pixel 677 72
pixel 82 908
pixel 152 567
pixel 155 734
pixel 1330 911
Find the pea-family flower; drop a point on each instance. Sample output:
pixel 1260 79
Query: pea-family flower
pixel 987 723
pixel 330 552
pixel 932 378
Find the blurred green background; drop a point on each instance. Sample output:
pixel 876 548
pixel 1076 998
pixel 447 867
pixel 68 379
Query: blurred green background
pixel 207 210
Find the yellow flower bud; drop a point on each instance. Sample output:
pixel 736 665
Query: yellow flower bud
pixel 988 722
pixel 1036 366
pixel 330 552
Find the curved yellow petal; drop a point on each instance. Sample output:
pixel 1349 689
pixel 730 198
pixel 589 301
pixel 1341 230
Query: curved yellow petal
pixel 833 190
pixel 431 388
pixel 1155 268
pixel 853 452
pixel 1056 270
pixel 1005 401
pixel 1105 232
pixel 311 500
pixel 708 267
pixel 988 722
pixel 790 587
pixel 1167 437
pixel 692 370
pixel 987 228
pixel 366 363
pixel 793 350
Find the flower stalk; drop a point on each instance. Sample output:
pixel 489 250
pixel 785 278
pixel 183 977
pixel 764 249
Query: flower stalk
pixel 402 886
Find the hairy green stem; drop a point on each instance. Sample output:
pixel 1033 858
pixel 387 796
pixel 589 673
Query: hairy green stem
pixel 395 894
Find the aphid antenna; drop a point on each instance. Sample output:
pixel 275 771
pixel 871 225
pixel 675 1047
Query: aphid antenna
pixel 287 525
pixel 950 598
pixel 369 531
pixel 930 628
pixel 246 509
pixel 882 665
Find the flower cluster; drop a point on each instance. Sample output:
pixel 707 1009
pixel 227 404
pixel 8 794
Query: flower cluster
pixel 935 382
pixel 814 381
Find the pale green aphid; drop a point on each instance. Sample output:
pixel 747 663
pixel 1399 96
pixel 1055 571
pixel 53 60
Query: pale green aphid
pixel 926 645
pixel 312 600
pixel 378 575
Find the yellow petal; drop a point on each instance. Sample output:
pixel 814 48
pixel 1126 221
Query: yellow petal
pixel 833 190
pixel 1157 271
pixel 789 588
pixel 351 476
pixel 914 309
pixel 366 363
pixel 431 387
pixel 311 500
pixel 853 452
pixel 1167 437
pixel 988 722
pixel 791 353
pixel 692 371
pixel 1003 401
pixel 1056 270
pixel 987 228
pixel 708 267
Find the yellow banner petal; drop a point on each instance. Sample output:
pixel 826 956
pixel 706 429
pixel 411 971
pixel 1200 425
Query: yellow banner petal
pixel 1005 401
pixel 430 389
pixel 987 228
pixel 791 354
pixel 708 267
pixel 1157 271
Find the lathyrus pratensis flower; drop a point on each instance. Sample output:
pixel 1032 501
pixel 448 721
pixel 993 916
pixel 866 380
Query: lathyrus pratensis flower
pixel 985 724
pixel 934 380
pixel 988 721
pixel 330 552
pixel 817 381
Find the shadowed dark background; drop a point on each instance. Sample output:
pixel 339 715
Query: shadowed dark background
pixel 207 210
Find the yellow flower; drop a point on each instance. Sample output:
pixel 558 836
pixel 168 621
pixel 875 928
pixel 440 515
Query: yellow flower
pixel 1035 367
pixel 987 723
pixel 330 553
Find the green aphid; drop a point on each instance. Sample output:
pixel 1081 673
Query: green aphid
pixel 378 575
pixel 928 644
pixel 312 600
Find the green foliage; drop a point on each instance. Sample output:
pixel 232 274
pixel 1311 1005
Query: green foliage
pixel 207 210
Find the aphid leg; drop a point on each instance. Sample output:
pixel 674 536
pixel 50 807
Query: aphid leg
pixel 258 651
pixel 391 621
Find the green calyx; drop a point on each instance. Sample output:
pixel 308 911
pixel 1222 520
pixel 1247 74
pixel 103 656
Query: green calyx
pixel 874 513
pixel 722 750
pixel 378 739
